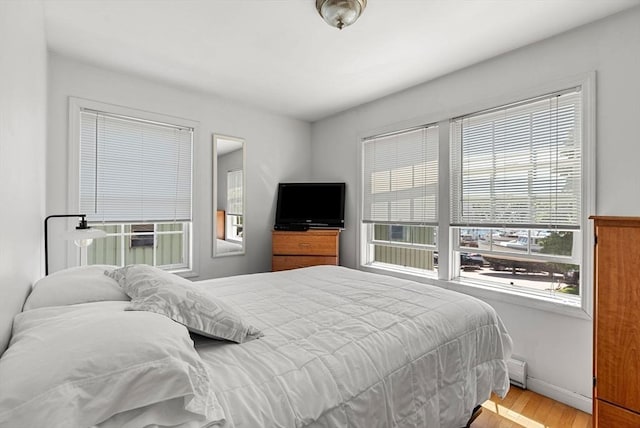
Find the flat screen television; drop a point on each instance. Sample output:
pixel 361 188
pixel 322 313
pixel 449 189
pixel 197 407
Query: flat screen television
pixel 310 205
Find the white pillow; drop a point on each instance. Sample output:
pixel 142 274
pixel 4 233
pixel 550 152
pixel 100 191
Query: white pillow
pixel 152 289
pixel 81 284
pixel 80 365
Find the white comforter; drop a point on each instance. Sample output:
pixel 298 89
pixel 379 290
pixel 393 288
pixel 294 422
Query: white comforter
pixel 345 348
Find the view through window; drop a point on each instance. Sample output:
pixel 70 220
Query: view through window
pixel 516 199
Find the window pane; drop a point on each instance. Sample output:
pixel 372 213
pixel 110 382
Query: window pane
pixel 235 228
pixel 139 255
pixel 170 249
pixel 400 176
pixel 106 250
pixel 533 260
pixel 519 164
pixel 402 247
pixel 134 170
pixel 160 244
pixel 525 275
pixel 234 192
pixel 405 257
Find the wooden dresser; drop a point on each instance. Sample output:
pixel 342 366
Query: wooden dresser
pixel 293 250
pixel 616 361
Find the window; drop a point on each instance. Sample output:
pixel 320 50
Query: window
pixel 516 195
pixel 400 199
pixel 234 205
pixel 520 179
pixel 142 235
pixel 135 179
pixel 162 245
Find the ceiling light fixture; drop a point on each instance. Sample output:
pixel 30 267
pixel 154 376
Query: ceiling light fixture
pixel 340 13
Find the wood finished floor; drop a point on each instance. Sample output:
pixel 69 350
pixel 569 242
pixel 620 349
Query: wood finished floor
pixel 523 408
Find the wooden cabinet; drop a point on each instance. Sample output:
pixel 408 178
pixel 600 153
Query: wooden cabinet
pixel 609 415
pixel 312 247
pixel 617 323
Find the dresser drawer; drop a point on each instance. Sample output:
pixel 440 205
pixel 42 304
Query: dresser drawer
pixel 309 243
pixel 295 262
pixel 610 416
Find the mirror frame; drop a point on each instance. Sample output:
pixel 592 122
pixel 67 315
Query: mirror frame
pixel 214 175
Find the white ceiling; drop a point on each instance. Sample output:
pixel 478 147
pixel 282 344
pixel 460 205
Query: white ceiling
pixel 279 55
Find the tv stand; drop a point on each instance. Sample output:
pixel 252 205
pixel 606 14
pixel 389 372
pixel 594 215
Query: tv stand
pixel 295 249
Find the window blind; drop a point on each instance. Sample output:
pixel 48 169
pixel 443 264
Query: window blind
pixel 400 177
pixel 519 165
pixel 234 192
pixel 133 170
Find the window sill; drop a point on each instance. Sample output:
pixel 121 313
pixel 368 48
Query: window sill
pixel 185 273
pixel 484 292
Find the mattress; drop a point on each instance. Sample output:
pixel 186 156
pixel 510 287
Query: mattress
pixel 346 348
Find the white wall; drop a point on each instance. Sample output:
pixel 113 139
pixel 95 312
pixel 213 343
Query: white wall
pixel 558 348
pixel 277 149
pixel 23 74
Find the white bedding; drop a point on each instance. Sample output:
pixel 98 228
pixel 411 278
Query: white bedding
pixel 341 348
pixel 345 348
pixel 223 247
pixel 80 365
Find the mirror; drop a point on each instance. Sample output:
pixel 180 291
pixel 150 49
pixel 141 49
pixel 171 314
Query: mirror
pixel 228 196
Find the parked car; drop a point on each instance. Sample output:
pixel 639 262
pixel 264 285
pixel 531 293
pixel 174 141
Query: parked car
pixel 471 259
pixel 466 259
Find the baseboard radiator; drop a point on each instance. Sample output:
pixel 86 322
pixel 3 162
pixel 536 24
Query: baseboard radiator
pixel 517 372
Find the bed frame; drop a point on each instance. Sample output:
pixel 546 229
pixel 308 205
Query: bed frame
pixel 476 412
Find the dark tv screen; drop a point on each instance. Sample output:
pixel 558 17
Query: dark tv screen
pixel 310 204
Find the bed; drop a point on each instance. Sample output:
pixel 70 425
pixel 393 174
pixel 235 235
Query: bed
pixel 226 247
pixel 323 346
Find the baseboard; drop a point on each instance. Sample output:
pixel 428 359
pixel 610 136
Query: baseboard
pixel 562 395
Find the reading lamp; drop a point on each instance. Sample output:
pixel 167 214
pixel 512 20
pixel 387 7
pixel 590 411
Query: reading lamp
pixel 82 236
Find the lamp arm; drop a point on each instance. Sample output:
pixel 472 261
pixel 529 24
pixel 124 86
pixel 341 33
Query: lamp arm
pixel 83 221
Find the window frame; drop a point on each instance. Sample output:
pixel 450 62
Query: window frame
pixel 76 105
pixel 446 261
pixel 367 228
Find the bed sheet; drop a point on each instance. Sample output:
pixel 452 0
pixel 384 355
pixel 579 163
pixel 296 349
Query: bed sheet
pixel 349 348
pixel 223 247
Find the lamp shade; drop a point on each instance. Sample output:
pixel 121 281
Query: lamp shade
pixel 340 13
pixel 84 237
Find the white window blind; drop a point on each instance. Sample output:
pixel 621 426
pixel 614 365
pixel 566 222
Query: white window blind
pixel 400 177
pixel 234 192
pixel 134 170
pixel 519 165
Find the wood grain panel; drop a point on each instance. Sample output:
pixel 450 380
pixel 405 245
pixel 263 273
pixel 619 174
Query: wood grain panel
pixel 220 226
pixel 610 416
pixel 310 243
pixel 295 262
pixel 292 250
pixel 617 325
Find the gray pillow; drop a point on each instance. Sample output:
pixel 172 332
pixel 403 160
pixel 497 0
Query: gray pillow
pixel 154 290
